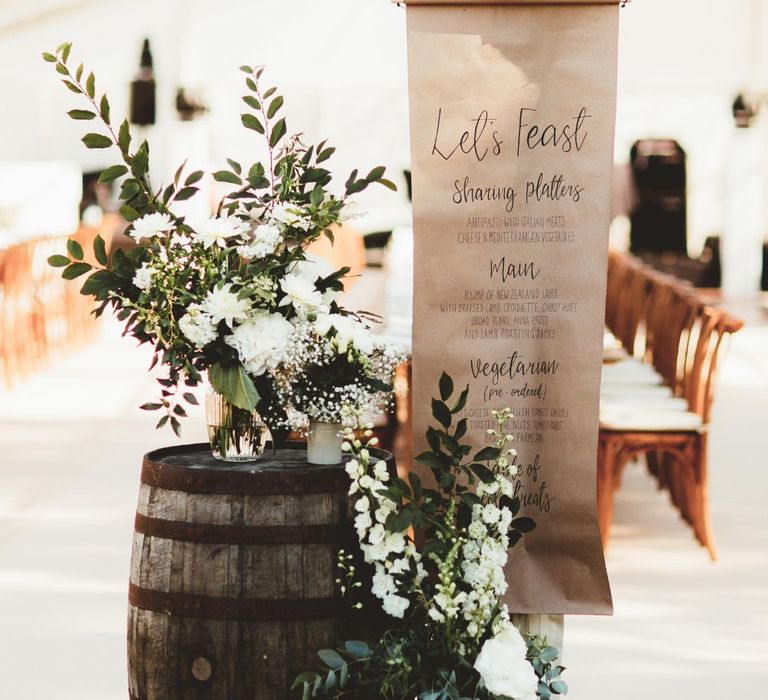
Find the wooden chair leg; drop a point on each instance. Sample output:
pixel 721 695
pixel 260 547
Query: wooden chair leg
pixel 605 489
pixel 699 493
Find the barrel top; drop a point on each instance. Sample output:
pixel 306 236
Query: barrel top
pixel 193 469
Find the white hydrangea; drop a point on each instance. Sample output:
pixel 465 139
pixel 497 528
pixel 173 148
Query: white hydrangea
pixel 503 667
pixel 261 341
pixel 151 225
pixel 225 305
pixel 198 326
pixel 219 230
pixel 143 277
pixel 395 605
pixel 266 238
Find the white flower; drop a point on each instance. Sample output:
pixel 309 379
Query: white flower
pixel 363 522
pixel 312 268
pixel 383 584
pixel 261 341
pixel 301 293
pixel 349 331
pixel 290 216
pixel 476 530
pixel 143 277
pixel 265 240
pixel 198 326
pixel 503 667
pixel 224 305
pixel 151 225
pixel 395 605
pixel 217 229
pixel 351 210
pixel 491 514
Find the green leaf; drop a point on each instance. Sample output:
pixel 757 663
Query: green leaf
pixel 66 48
pixel 388 184
pixel 72 87
pixel 90 86
pixel 191 398
pixel 124 136
pixel 306 677
pixel 375 173
pixel 75 270
pixel 487 454
pixel 81 114
pixel 559 687
pixel 269 93
pixel 161 422
pixel 75 249
pixel 325 154
pixel 49 57
pixel 278 131
pixel 194 177
pixel 446 386
pixel 100 281
pixel 96 141
pixel 483 473
pixel 461 429
pixel 227 176
pixel 399 521
pixel 360 650
pixel 236 167
pixel 252 102
pixel 104 108
pixel 176 426
pixel 274 106
pixel 441 413
pixel 140 162
pixel 251 84
pixel 100 250
pixel 186 193
pixel 79 72
pixel 331 658
pixel 111 174
pixel 129 213
pixel 523 525
pixel 235 385
pixel 429 459
pixel 58 261
pixel 462 401
pixel 251 122
pixel 151 406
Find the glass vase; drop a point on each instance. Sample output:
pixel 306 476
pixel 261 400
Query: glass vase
pixel 324 442
pixel 235 434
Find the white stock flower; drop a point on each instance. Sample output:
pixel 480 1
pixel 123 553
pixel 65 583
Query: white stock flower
pixel 224 305
pixel 261 341
pixel 383 584
pixel 218 229
pixel 312 267
pixel 503 667
pixel 266 238
pixel 143 277
pixel 151 225
pixel 290 216
pixel 351 210
pixel 197 326
pixel 395 605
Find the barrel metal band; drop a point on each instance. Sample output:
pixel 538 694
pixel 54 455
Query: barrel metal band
pixel 203 533
pixel 252 609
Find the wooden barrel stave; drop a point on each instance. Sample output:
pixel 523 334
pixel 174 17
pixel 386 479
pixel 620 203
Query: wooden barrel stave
pixel 226 586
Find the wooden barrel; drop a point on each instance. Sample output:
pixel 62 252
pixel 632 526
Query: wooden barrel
pixel 232 588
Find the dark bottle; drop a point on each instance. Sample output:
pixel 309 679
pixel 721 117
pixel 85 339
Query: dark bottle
pixel 143 91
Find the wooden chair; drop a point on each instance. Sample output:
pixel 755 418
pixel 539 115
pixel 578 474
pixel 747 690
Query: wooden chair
pixel 677 439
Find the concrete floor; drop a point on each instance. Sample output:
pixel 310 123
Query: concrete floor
pixel 71 441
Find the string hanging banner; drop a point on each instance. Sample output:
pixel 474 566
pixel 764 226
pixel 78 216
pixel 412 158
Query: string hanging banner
pixel 512 110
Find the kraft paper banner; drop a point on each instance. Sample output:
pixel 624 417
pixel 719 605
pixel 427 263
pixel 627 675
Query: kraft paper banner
pixel 512 122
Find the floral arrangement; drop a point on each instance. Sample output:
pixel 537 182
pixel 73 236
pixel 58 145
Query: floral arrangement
pixel 452 637
pixel 236 293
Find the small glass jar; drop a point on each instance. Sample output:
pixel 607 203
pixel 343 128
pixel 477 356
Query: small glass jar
pixel 324 442
pixel 235 434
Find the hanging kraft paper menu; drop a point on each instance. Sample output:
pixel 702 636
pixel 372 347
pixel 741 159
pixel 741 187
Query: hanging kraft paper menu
pixel 512 123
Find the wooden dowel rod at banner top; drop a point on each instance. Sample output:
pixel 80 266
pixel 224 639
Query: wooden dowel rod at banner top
pixel 511 2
